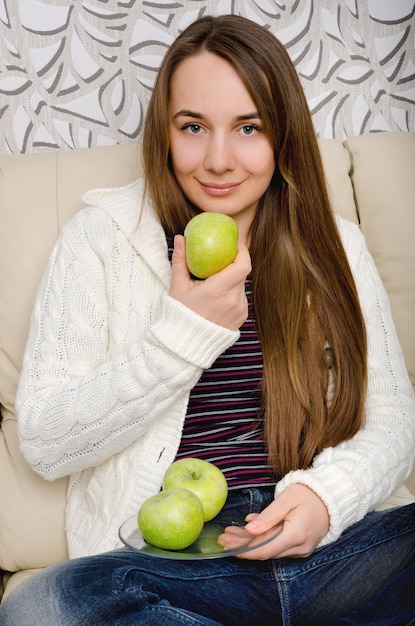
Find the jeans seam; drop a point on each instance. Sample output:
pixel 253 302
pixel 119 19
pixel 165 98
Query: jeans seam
pixel 283 593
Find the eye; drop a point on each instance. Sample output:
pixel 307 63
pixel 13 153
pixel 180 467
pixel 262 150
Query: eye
pixel 192 129
pixel 250 129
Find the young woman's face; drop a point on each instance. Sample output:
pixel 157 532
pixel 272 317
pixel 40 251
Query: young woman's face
pixel 222 159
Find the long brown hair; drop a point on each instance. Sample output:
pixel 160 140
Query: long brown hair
pixel 304 296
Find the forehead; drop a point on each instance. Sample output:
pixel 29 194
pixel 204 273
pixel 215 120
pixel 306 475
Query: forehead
pixel 207 79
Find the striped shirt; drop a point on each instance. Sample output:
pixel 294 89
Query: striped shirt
pixel 220 424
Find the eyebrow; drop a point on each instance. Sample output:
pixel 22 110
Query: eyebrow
pixel 199 116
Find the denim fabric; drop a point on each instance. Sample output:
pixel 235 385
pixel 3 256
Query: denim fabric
pixel 366 577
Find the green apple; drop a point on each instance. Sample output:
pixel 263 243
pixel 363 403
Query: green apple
pixel 211 243
pixel 172 519
pixel 203 478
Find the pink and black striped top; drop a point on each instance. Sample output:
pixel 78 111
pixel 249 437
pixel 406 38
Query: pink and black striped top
pixel 220 424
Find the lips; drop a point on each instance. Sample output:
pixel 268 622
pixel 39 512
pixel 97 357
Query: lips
pixel 216 189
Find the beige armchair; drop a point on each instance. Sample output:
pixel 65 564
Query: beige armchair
pixel 372 182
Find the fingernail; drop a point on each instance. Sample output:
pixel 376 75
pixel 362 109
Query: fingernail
pixel 178 242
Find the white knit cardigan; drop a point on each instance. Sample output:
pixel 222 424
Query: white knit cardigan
pixel 111 359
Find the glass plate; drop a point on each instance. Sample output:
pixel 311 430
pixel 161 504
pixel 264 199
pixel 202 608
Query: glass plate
pixel 205 546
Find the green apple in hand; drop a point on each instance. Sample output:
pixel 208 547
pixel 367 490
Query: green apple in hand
pixel 211 243
pixel 172 519
pixel 202 478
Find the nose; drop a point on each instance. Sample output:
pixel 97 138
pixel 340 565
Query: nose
pixel 219 156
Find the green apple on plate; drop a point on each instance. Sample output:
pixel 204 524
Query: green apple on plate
pixel 172 519
pixel 204 479
pixel 211 243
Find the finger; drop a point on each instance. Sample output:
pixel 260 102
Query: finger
pixel 272 515
pixel 234 537
pixel 238 539
pixel 243 255
pixel 242 260
pixel 179 271
pixel 179 253
pixel 263 546
pixel 234 274
pixel 275 543
pixel 293 540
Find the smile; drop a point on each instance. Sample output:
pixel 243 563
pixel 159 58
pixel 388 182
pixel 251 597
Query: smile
pixel 215 189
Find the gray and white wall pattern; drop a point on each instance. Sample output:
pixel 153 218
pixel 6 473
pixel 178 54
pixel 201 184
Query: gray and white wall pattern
pixel 78 73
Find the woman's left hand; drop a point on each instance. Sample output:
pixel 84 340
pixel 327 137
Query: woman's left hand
pixel 300 514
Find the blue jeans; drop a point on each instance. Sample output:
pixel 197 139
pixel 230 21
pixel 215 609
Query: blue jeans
pixel 366 577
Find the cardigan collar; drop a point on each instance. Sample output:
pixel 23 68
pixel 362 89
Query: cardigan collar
pixel 133 213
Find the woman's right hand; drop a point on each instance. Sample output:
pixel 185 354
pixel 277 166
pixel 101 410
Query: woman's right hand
pixel 220 298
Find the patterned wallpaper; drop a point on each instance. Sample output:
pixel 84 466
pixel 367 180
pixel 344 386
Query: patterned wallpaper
pixel 78 73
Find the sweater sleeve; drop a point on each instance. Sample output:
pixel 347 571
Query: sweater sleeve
pixel 102 364
pixel 359 474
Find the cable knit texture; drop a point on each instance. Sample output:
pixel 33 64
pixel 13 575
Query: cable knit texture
pixel 111 360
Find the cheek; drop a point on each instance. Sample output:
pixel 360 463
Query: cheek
pixel 259 159
pixel 269 165
pixel 184 157
pixel 182 165
pixel 264 175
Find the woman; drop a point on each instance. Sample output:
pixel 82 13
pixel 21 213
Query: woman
pixel 283 369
